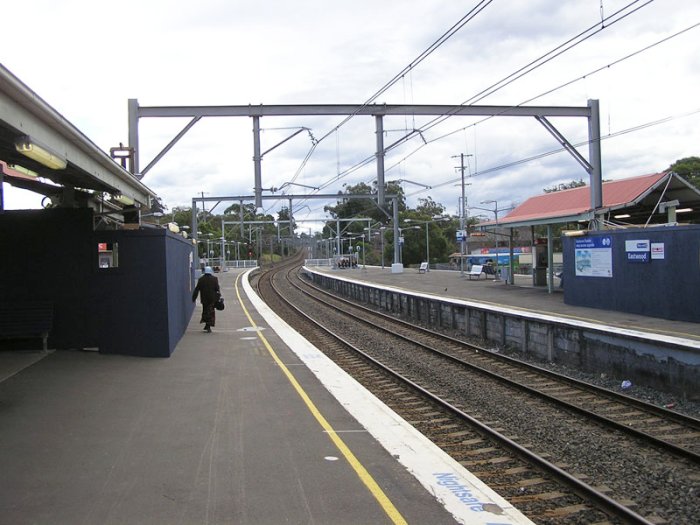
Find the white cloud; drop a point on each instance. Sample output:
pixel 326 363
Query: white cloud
pixel 221 52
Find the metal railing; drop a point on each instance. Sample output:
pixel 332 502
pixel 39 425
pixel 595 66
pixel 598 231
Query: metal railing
pixel 318 262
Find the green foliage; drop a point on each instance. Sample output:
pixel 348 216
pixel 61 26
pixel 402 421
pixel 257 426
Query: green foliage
pixel 440 233
pixel 429 208
pixel 367 208
pixel 235 210
pixel 283 215
pixel 565 186
pixel 689 169
pixel 181 216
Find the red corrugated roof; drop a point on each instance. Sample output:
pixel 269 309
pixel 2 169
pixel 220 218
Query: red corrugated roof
pixel 578 200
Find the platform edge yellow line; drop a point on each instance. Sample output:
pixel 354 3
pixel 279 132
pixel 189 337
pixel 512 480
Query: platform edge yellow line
pixel 366 478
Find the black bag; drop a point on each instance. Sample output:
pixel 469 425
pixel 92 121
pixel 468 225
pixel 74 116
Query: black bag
pixel 219 304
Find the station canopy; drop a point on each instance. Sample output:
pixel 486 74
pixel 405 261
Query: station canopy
pixel 44 153
pixel 633 202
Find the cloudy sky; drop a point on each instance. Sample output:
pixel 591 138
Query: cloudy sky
pixel 86 59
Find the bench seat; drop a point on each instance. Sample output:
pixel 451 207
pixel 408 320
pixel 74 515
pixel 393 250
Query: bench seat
pixel 24 320
pixel 476 271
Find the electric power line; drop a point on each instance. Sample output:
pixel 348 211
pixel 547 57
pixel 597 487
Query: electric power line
pixel 573 42
pixel 422 56
pixel 562 48
pixel 560 150
pixel 550 91
pixel 582 36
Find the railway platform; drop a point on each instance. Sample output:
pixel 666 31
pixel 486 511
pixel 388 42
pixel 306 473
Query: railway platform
pixel 248 425
pixel 521 295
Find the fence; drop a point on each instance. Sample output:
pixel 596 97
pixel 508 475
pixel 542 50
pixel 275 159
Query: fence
pixel 318 262
pixel 243 263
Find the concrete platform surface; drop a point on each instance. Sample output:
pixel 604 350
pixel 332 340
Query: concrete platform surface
pixel 235 427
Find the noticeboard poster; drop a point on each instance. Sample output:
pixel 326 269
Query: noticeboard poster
pixel 593 257
pixel 658 250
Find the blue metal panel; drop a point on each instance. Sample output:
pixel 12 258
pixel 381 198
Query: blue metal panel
pixel 661 279
pixel 141 307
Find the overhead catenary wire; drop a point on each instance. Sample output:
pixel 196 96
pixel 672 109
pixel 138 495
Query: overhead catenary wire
pixel 415 62
pixel 569 44
pixel 420 58
pixel 599 26
pixel 550 91
pixel 518 162
pixel 562 48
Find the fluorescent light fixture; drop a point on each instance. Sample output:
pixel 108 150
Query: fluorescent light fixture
pixel 23 170
pixel 684 210
pixel 123 199
pixel 575 233
pixel 40 153
pixel 623 216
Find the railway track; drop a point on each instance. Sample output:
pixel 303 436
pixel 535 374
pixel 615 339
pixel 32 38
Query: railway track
pixel 664 428
pixel 398 362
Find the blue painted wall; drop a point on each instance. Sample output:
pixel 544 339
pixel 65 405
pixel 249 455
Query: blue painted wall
pixel 145 303
pixel 668 288
pixel 142 307
pixel 44 256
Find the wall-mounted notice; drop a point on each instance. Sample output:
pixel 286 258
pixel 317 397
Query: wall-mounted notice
pixel 593 257
pixel 658 250
pixel 638 251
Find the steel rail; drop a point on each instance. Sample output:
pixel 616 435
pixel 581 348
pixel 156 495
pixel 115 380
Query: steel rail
pixel 580 488
pixel 681 419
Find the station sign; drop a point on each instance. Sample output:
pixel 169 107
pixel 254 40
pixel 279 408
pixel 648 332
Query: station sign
pixel 638 251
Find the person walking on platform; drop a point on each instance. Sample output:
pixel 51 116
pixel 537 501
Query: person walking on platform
pixel 208 290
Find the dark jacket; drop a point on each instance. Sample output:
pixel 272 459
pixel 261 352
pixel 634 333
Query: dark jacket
pixel 208 287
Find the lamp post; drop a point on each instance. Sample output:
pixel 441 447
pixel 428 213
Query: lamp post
pixel 382 229
pixel 401 239
pixel 427 235
pixel 206 253
pixel 222 256
pixel 462 214
pixel 363 251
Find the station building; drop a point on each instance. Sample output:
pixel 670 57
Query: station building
pixel 639 253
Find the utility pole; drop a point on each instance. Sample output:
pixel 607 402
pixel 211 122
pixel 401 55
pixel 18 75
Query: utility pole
pixel 462 213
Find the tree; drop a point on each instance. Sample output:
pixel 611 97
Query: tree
pixel 429 208
pixel 565 186
pixel 439 232
pixel 689 169
pixel 248 211
pixel 282 216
